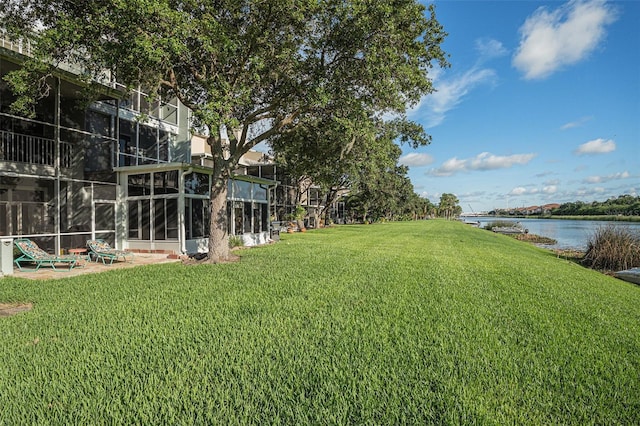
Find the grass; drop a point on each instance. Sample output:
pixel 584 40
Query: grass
pixel 613 248
pixel 401 323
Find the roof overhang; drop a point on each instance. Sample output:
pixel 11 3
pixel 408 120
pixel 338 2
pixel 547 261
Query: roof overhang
pixel 164 167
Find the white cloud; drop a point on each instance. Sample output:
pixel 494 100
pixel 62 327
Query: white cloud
pixel 451 90
pixel 588 192
pixel 518 191
pixel 577 123
pixel 596 146
pixel 483 161
pixel 521 190
pixel 488 161
pixel 449 167
pixel 545 174
pixel 449 93
pixel 553 39
pixel 416 159
pixel 490 48
pixel 602 179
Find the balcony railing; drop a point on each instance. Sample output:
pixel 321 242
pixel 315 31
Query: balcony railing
pixel 33 150
pixel 24 47
pixel 20 46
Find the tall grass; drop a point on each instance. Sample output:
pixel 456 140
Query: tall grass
pixel 403 323
pixel 501 224
pixel 613 248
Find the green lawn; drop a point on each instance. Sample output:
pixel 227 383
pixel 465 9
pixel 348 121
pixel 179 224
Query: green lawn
pixel 407 323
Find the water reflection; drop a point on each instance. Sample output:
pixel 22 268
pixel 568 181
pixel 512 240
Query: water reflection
pixel 569 234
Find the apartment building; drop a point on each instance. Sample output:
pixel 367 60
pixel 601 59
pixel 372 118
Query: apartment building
pixel 116 168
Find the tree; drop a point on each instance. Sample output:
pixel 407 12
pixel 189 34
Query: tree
pixel 336 156
pixel 449 207
pixel 379 188
pixel 261 67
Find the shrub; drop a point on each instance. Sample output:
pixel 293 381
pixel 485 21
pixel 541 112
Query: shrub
pixel 613 248
pixel 500 224
pixel 235 241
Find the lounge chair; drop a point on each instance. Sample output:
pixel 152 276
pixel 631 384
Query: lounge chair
pixel 31 253
pixel 101 250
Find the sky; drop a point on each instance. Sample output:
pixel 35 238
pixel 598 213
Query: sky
pixel 541 104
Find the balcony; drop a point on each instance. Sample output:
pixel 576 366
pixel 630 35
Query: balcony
pixel 27 149
pixel 20 46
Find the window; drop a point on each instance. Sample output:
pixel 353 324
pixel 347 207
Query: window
pixel 196 218
pixel 75 207
pixel 134 231
pixel 127 143
pixel 139 220
pixel 259 192
pixel 4 229
pixel 147 144
pixel 165 182
pixel 257 218
pixel 247 218
pixel 241 190
pixel 139 185
pixel 166 219
pixel 99 123
pixel 105 216
pixel 237 214
pixel 197 184
pixel 160 226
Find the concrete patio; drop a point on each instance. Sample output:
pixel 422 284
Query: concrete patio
pixel 85 267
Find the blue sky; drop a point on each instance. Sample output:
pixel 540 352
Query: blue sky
pixel 541 104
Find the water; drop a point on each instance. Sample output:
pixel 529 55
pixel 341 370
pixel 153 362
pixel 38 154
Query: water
pixel 569 234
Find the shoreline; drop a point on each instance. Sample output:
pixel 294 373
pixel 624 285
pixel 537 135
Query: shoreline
pixel 606 218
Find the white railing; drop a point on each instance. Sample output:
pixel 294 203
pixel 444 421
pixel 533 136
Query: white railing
pixel 33 150
pixel 21 46
pixel 24 47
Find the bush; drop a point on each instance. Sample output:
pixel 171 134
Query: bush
pixel 500 224
pixel 235 241
pixel 613 248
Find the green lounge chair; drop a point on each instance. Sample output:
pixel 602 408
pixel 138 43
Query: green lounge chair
pixel 101 250
pixel 31 253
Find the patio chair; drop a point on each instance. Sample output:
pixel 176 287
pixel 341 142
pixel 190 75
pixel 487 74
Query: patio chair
pixel 31 253
pixel 101 250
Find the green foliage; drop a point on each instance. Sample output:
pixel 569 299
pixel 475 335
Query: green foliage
pixel 449 207
pixel 260 67
pixel 429 322
pixel 378 187
pixel 625 205
pixel 299 213
pixel 235 241
pixel 601 218
pixel 613 248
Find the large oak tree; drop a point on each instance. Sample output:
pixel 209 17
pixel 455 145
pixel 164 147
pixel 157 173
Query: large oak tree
pixel 261 67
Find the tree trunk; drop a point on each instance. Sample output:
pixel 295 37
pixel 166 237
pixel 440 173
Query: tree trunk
pixel 218 234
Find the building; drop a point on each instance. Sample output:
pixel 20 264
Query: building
pixel 123 170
